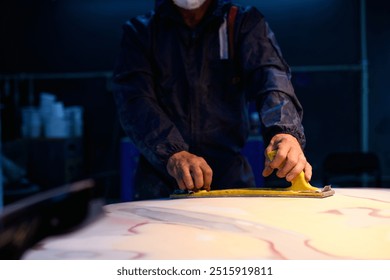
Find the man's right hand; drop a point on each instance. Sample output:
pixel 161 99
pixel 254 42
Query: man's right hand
pixel 190 171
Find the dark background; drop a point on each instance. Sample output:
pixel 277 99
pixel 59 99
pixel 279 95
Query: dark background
pixel 73 36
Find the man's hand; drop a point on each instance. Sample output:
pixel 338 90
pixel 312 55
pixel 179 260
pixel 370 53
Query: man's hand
pixel 289 159
pixel 190 171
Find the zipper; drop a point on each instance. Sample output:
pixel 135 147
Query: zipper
pixel 192 72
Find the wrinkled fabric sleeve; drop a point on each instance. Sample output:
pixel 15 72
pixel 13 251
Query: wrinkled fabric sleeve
pixel 141 117
pixel 268 78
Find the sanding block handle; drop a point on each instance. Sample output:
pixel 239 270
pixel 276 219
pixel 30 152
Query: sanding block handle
pixel 299 183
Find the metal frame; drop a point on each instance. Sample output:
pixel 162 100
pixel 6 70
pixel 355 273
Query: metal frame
pixel 364 79
pixel 1 173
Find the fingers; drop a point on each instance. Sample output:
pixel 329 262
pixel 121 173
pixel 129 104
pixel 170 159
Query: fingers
pixel 207 178
pixel 308 172
pixel 267 168
pixel 294 165
pixel 190 171
pixel 184 179
pixel 296 170
pixel 289 159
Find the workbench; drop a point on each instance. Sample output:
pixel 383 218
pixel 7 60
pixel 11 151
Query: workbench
pixel 352 224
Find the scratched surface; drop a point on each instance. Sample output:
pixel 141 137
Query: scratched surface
pixel 352 224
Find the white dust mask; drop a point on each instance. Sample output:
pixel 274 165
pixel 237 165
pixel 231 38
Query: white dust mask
pixel 189 4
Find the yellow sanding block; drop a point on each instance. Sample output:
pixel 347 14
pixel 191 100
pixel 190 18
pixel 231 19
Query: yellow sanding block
pixel 256 192
pixel 299 188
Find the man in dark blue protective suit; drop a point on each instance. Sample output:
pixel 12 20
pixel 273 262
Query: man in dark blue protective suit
pixel 183 80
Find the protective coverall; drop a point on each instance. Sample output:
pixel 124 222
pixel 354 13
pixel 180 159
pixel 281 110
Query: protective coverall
pixel 177 88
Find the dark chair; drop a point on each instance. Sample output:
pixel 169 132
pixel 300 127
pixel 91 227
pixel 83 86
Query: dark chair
pixel 352 169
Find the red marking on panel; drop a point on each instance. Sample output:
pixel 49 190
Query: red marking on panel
pixel 375 212
pixel 273 249
pixel 138 255
pixel 133 228
pixel 334 212
pixel 308 245
pixel 367 198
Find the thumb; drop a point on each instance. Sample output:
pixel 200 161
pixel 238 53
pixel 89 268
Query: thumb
pixel 267 169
